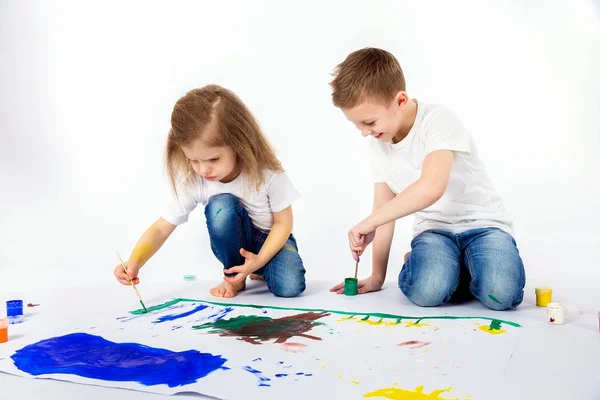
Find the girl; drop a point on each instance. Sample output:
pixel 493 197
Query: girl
pixel 217 156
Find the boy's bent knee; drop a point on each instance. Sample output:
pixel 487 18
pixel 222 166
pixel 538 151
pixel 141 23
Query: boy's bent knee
pixel 426 296
pixel 500 296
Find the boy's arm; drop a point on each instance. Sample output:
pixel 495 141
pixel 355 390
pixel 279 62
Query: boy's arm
pixel 428 189
pixel 381 246
pixel 279 234
pixel 384 234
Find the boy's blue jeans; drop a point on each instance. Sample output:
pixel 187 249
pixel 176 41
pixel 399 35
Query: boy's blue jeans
pixel 444 266
pixel 230 229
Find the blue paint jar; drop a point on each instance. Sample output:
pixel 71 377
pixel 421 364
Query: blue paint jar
pixel 14 311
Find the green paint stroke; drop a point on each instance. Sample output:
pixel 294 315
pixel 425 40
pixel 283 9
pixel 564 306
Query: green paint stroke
pixel 218 211
pixel 257 329
pixel 233 324
pixel 380 315
pixel 496 325
pixel 494 299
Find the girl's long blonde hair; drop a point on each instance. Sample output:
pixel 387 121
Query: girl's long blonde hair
pixel 218 118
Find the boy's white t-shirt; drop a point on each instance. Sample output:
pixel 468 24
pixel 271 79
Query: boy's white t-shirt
pixel 470 200
pixel 275 194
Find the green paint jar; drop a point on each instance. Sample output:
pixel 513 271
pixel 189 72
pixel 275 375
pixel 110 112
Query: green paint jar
pixel 351 286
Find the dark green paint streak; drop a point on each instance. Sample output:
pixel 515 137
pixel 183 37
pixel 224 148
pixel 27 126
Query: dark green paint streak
pixel 218 211
pixel 256 329
pixel 494 299
pixel 380 315
pixel 233 324
pixel 495 325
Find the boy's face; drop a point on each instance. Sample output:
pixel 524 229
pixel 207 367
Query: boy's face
pixel 212 163
pixel 385 123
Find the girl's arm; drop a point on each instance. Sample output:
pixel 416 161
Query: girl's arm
pixel 282 227
pixel 148 244
pixel 283 222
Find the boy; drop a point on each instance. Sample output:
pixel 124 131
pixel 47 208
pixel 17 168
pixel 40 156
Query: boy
pixel 425 163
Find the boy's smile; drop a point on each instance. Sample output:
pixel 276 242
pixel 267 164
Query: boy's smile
pixel 387 123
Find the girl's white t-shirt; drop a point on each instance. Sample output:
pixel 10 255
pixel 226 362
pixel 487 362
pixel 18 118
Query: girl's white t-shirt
pixel 275 194
pixel 470 200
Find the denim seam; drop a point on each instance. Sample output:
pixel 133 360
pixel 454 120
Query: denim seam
pixel 471 269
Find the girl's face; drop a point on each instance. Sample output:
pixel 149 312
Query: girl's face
pixel 212 163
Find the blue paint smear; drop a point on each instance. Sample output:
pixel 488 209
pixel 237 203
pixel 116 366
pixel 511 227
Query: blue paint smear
pixel 176 327
pixel 173 317
pixel 257 359
pixel 220 314
pixel 280 375
pixel 262 380
pixel 265 311
pixel 94 357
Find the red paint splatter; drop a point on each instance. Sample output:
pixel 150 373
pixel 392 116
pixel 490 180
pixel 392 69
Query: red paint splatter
pixel 293 347
pixel 32 305
pixel 415 344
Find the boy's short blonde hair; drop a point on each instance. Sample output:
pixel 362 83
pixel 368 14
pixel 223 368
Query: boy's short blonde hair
pixel 367 73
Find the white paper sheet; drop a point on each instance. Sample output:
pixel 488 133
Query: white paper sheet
pixel 273 353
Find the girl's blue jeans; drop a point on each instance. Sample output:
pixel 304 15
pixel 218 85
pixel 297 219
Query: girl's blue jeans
pixel 230 229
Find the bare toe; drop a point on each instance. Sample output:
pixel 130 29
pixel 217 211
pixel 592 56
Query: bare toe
pixel 226 289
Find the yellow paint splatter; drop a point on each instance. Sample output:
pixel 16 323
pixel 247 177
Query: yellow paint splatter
pixel 366 320
pixel 142 252
pixel 355 382
pixel 403 394
pixel 339 377
pixel 490 330
pixel 289 247
pixel 411 324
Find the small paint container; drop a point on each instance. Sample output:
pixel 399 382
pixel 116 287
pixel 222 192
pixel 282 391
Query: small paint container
pixel 351 286
pixel 3 330
pixel 14 311
pixel 543 296
pixel 555 313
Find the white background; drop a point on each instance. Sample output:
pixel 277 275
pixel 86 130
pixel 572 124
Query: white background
pixel 86 92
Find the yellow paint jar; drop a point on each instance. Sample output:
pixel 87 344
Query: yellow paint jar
pixel 543 296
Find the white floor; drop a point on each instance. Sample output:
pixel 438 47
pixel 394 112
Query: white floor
pixel 549 362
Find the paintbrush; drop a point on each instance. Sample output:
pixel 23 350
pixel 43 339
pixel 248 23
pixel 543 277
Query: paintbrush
pixel 132 284
pixel 356 269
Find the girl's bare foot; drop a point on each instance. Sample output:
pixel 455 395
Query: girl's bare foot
pixel 226 289
pixel 256 277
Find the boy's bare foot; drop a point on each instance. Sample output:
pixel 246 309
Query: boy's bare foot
pixel 256 277
pixel 226 289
